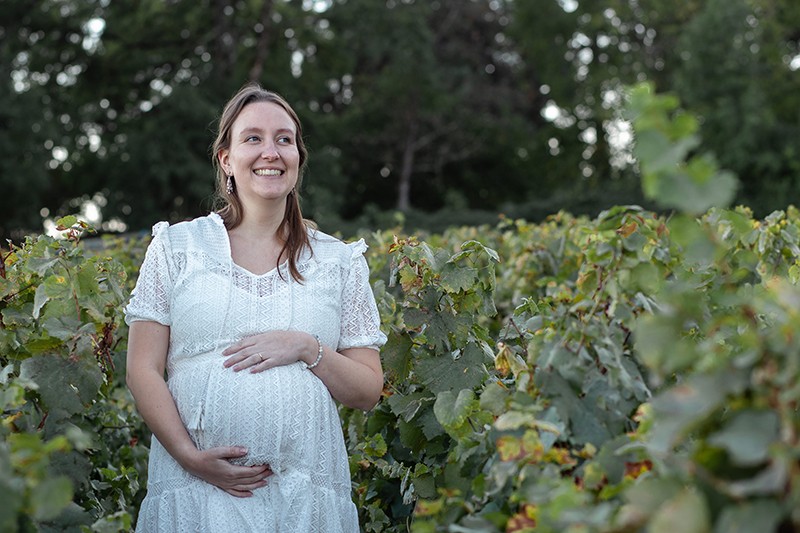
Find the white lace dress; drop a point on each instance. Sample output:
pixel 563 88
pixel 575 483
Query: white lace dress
pixel 284 416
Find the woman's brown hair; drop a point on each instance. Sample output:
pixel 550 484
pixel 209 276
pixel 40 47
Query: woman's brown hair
pixel 293 228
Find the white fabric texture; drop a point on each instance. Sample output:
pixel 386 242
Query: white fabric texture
pixel 284 416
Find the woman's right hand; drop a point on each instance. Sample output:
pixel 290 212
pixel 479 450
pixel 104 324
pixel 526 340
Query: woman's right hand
pixel 213 466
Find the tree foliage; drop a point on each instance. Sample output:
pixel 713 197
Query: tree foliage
pixel 479 105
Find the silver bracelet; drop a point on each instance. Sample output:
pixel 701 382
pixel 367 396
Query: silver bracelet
pixel 319 355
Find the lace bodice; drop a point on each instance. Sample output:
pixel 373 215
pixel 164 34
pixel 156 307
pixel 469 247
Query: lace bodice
pixel 197 254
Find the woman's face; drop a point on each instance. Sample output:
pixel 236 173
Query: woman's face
pixel 263 157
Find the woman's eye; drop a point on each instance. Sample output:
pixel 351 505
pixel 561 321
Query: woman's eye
pixel 285 139
pixel 251 138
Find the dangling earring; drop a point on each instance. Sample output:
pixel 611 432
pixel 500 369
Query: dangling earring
pixel 293 191
pixel 229 185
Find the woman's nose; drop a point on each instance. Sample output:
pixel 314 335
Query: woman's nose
pixel 270 153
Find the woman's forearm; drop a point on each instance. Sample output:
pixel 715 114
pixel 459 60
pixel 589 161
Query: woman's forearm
pixel 157 407
pixel 354 377
pixel 148 343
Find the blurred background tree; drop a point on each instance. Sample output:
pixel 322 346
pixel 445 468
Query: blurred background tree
pixel 449 111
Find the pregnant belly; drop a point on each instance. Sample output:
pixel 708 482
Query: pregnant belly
pixel 283 416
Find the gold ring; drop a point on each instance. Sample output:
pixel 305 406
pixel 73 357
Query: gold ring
pixel 260 357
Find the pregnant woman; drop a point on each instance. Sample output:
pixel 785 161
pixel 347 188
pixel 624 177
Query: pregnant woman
pixel 259 322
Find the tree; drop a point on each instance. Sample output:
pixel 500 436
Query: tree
pixel 423 90
pixel 734 74
pixel 483 104
pixel 42 54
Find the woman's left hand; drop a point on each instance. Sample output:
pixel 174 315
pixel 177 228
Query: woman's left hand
pixel 267 350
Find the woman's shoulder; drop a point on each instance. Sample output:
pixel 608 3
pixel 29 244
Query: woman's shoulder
pixel 329 248
pixel 192 230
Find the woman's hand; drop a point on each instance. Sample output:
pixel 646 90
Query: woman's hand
pixel 213 466
pixel 267 350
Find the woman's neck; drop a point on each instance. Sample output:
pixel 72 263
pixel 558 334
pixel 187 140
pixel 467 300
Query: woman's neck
pixel 261 223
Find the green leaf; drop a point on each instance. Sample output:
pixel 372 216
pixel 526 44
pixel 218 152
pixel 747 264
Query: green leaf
pixel 120 521
pixel 397 356
pixel 656 153
pixel 686 512
pixel 677 409
pixel 12 491
pixel 72 464
pixel 72 518
pixel 456 278
pixel 494 398
pixel 748 436
pixel 470 246
pixel 406 406
pixel 86 278
pixel 645 497
pixel 67 221
pixel 452 411
pixel 684 191
pixel 64 384
pixel 585 419
pixel 411 436
pixel 771 480
pixel 36 346
pixel 40 265
pixel 39 299
pixel 448 373
pixel 750 517
pixel 50 497
pixel 430 426
pixel 375 446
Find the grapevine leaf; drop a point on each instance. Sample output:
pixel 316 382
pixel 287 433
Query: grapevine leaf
pixel 512 420
pixel 415 318
pixel 644 498
pixel 74 465
pixel 494 398
pixel 452 410
pixel 40 265
pixel 750 517
pixel 747 436
pixel 67 221
pixel 678 408
pixel 120 521
pixel 455 278
pixel 396 355
pixel 687 512
pixel 42 344
pixel 39 299
pixel 429 425
pixel 87 284
pixel 425 486
pixel 584 418
pixel 50 497
pixel 62 327
pixel 447 373
pixel 411 436
pixel 771 480
pixel 657 154
pixel 63 384
pixel 375 446
pixel 407 405
pixel 12 495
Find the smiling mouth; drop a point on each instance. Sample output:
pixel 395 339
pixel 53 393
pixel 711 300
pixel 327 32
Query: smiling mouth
pixel 267 172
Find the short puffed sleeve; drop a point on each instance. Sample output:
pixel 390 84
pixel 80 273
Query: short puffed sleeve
pixel 150 299
pixel 360 321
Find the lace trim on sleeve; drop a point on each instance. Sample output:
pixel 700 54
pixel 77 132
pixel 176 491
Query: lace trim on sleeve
pixel 360 320
pixel 150 299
